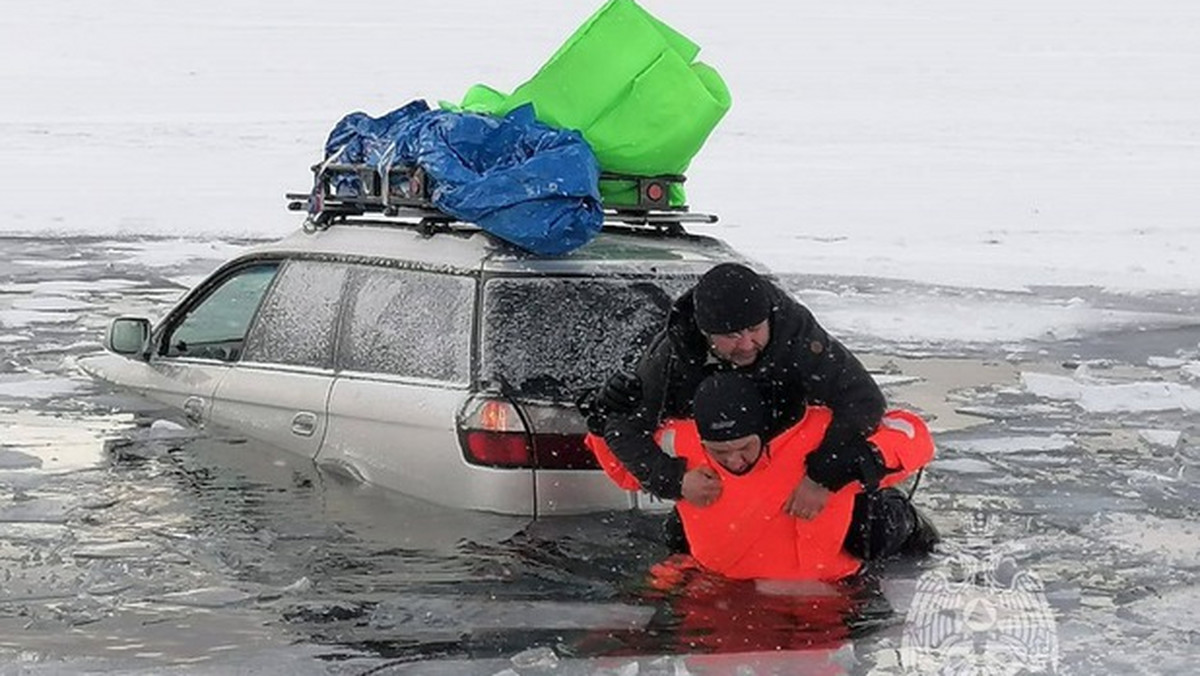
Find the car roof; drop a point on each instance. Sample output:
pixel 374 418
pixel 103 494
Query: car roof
pixel 614 251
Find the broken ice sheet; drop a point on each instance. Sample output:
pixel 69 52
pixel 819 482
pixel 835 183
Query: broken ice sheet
pixel 131 549
pixel 1100 397
pixel 207 597
pixel 1013 444
pixel 1160 438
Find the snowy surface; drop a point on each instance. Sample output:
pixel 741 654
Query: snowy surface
pixel 998 145
pixel 914 314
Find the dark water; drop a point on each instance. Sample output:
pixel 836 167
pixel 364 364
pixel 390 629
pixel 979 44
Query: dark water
pixel 131 544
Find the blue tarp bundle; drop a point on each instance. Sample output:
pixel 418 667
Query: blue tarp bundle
pixel 523 181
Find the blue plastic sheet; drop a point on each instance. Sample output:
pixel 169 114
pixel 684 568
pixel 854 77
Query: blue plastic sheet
pixel 519 179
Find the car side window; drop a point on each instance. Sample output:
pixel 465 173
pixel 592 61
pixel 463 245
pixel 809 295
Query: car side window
pixel 215 327
pixel 409 323
pixel 298 320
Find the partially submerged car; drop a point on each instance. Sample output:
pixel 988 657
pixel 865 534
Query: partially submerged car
pixel 435 360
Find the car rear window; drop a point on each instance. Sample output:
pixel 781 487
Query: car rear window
pixel 552 337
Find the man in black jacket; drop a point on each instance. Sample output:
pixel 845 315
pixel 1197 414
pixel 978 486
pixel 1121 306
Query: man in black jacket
pixel 733 319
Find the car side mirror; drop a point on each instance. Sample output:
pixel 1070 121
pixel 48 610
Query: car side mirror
pixel 127 335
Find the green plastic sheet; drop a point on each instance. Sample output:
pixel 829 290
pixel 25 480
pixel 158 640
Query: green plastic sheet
pixel 632 86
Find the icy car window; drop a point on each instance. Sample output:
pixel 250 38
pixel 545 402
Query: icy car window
pixel 214 329
pixel 410 323
pixel 296 325
pixel 554 337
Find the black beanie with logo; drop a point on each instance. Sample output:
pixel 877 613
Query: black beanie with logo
pixel 728 406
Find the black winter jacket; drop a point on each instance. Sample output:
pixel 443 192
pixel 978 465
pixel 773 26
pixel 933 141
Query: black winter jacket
pixel 800 365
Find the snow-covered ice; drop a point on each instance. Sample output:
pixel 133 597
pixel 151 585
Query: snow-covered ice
pixel 1166 542
pixel 206 597
pixel 1161 438
pixel 1002 146
pixel 39 388
pixel 16 319
pixel 1012 444
pixel 1098 396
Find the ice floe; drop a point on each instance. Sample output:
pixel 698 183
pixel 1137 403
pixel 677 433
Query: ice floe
pixel 170 253
pixel 915 315
pixel 15 319
pixel 207 597
pixel 1101 397
pixel 40 388
pixel 38 510
pixel 963 466
pixel 1161 438
pixel 1169 542
pixel 1014 444
pixel 70 287
pixel 133 549
pixel 50 304
pixel 1174 608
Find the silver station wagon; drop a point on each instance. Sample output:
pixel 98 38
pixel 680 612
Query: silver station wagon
pixel 442 363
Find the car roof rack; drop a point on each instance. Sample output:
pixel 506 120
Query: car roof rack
pixel 400 194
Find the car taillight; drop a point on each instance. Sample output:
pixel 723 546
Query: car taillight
pixel 563 451
pixel 493 434
pixel 497 449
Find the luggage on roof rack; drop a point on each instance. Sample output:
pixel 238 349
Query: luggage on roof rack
pixel 402 192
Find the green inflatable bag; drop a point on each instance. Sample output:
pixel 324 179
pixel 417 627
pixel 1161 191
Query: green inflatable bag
pixel 630 84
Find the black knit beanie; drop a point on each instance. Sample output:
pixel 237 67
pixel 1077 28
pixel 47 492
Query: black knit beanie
pixel 728 406
pixel 730 297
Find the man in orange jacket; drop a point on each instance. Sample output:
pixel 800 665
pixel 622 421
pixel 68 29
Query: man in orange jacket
pixel 746 531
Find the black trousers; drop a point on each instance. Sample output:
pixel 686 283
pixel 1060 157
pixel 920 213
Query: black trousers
pixel 882 523
pixel 672 533
pixel 880 526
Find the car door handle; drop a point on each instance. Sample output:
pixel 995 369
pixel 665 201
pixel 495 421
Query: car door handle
pixel 193 409
pixel 304 424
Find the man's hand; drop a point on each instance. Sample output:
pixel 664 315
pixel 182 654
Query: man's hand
pixel 701 486
pixel 807 500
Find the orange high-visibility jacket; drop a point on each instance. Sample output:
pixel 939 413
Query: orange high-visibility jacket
pixel 745 533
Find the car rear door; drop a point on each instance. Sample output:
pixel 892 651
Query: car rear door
pixel 278 391
pixel 404 370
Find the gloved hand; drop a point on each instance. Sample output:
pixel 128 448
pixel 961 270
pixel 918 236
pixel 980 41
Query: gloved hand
pixel 620 394
pixel 855 461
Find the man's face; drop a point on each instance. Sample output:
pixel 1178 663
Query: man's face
pixel 736 455
pixel 741 348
